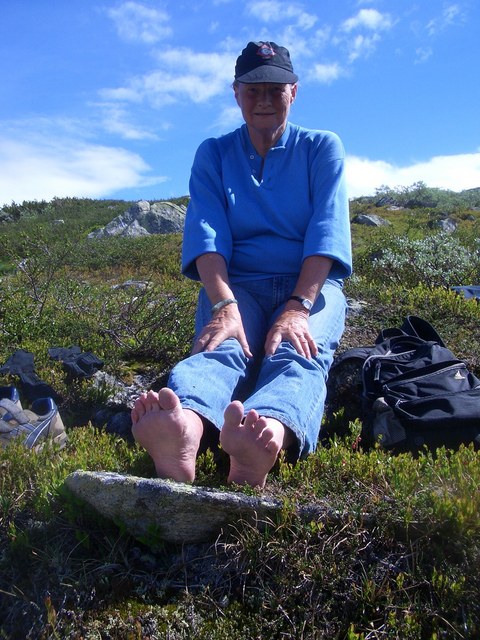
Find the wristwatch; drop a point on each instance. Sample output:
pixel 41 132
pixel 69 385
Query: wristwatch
pixel 305 302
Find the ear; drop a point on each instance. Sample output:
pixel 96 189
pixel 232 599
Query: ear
pixel 235 90
pixel 294 92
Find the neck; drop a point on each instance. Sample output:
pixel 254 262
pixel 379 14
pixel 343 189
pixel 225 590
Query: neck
pixel 263 141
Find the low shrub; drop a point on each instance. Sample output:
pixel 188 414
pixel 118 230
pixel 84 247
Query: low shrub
pixel 397 552
pixel 439 260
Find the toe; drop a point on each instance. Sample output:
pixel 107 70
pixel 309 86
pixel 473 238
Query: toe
pixel 139 407
pixel 233 415
pixel 167 399
pixel 251 420
pixel 259 427
pixel 266 436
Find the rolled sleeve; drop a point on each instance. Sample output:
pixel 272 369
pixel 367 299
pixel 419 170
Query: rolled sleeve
pixel 328 232
pixel 206 224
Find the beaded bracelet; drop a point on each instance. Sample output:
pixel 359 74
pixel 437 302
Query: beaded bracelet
pixel 223 303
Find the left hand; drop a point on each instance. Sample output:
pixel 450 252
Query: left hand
pixel 292 326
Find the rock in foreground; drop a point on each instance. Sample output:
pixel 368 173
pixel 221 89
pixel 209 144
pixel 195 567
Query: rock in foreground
pixel 170 511
pixel 154 510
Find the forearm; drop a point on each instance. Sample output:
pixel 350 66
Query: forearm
pixel 226 321
pixel 292 323
pixel 314 272
pixel 214 276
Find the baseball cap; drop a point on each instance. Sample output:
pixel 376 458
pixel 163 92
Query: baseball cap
pixel 265 62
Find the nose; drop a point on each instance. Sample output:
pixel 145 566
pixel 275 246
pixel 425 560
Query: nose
pixel 264 96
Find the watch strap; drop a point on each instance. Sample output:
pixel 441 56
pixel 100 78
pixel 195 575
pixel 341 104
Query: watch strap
pixel 305 302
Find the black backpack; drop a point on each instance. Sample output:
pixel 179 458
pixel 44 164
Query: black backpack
pixel 408 389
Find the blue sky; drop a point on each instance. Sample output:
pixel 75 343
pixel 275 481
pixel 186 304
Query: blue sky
pixel 110 99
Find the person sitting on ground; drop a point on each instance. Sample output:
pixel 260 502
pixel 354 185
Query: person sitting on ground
pixel 267 233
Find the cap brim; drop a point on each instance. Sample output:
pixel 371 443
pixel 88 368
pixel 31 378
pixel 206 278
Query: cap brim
pixel 268 73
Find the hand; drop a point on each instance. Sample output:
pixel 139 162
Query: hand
pixel 226 323
pixel 292 326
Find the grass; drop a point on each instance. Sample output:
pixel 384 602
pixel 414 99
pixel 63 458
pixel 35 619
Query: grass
pixel 398 557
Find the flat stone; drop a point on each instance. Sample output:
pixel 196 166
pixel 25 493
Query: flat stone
pixel 173 511
pixel 153 509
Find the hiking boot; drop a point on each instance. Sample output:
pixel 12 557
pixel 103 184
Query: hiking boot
pixel 33 426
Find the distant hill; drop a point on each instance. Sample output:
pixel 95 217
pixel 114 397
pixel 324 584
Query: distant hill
pixel 90 212
pixel 93 214
pixel 419 195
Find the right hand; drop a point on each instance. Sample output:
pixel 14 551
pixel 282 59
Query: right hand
pixel 226 323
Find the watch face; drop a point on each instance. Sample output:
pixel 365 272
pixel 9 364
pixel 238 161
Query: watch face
pixel 307 304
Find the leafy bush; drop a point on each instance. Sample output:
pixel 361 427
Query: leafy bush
pixel 397 555
pixel 419 195
pixel 439 260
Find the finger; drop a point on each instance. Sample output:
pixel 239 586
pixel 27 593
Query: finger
pixel 202 341
pixel 301 346
pixel 272 342
pixel 245 346
pixel 313 346
pixel 246 350
pixel 198 346
pixel 213 343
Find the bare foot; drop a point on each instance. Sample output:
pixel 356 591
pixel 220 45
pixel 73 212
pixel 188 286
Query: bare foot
pixel 253 444
pixel 169 433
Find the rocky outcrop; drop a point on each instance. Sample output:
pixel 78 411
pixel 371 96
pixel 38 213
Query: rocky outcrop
pixel 143 219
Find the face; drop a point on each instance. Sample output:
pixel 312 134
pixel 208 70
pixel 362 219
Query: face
pixel 265 106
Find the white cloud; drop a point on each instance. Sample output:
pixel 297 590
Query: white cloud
pixel 115 120
pixel 451 15
pixel 321 37
pixel 40 167
pixel 362 46
pixel 274 11
pixel 183 73
pixel 230 118
pixel 456 172
pixel 368 19
pixel 325 73
pixel 135 22
pixel 367 25
pixel 423 54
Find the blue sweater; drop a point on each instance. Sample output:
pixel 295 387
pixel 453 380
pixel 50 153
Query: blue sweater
pixel 265 216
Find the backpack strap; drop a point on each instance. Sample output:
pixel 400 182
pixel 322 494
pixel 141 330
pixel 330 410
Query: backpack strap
pixel 415 326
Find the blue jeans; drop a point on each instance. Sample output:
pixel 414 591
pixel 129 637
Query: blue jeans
pixel 286 386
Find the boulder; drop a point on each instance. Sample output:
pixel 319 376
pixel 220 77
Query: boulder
pixel 448 225
pixel 143 219
pixel 5 217
pixel 370 220
pixel 386 201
